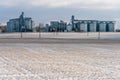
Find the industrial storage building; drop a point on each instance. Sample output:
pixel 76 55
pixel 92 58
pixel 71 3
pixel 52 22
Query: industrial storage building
pixel 57 26
pixel 92 25
pixel 83 27
pixel 102 26
pixel 14 25
pixel 110 26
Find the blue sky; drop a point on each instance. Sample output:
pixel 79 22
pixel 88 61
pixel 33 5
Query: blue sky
pixel 43 11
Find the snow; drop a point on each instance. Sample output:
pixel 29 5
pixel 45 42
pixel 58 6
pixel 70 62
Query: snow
pixel 21 61
pixel 82 35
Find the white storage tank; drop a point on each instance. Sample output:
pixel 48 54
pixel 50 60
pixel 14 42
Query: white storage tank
pixel 83 27
pixel 92 26
pixel 111 27
pixel 102 26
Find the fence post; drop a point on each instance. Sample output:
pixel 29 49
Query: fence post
pixel 87 33
pixel 99 35
pixel 21 32
pixel 39 33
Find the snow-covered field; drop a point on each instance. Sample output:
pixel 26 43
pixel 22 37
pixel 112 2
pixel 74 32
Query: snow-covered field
pixel 82 35
pixel 30 61
pixel 68 57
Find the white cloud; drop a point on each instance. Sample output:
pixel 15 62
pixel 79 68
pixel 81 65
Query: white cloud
pixel 96 4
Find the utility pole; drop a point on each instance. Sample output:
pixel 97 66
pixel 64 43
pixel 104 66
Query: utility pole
pixel 21 23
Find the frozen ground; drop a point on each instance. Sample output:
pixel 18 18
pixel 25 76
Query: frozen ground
pixel 32 61
pixel 82 35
